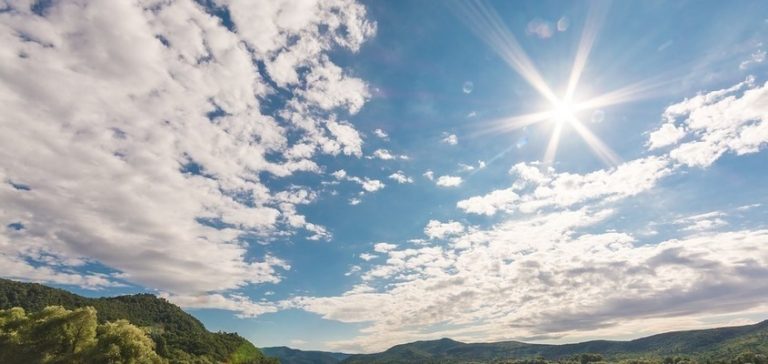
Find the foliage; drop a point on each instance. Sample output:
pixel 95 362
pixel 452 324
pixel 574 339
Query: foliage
pixel 57 335
pixel 176 335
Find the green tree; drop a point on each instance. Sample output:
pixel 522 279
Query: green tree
pixel 120 342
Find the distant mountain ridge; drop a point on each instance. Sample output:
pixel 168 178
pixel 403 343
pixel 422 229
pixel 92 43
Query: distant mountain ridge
pixel 709 344
pixel 178 335
pixel 294 356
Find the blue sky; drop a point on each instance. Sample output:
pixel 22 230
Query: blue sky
pixel 347 176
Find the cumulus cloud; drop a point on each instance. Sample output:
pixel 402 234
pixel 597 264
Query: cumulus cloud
pixel 439 230
pixel 550 267
pixel 450 139
pixel 668 134
pixel 380 133
pixel 368 184
pixel 142 145
pixel 449 181
pixel 729 120
pixel 383 247
pixel 386 155
pixel 400 177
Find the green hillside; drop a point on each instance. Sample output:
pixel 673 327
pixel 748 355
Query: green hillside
pixel 728 344
pixel 178 336
pixel 294 356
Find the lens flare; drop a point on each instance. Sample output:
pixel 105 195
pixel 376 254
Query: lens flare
pixel 483 20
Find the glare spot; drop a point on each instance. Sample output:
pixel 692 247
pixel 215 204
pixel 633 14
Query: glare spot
pixel 468 87
pixel 598 116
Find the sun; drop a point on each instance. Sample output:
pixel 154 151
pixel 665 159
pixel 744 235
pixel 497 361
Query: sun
pixel 563 111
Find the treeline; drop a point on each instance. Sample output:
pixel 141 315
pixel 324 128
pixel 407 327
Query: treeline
pixel 56 335
pixel 746 357
pixel 178 337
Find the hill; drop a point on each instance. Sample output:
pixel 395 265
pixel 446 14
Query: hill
pixel 178 336
pixel 720 344
pixel 294 356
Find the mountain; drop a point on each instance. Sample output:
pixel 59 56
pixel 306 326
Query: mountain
pixel 178 335
pixel 712 344
pixel 294 356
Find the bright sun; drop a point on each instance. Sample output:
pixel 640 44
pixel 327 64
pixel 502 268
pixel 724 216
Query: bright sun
pixel 563 111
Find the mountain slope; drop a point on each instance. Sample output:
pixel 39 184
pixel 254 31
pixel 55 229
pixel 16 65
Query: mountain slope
pixel 713 344
pixel 294 356
pixel 177 334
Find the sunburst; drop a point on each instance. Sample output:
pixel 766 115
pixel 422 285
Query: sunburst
pixel 563 111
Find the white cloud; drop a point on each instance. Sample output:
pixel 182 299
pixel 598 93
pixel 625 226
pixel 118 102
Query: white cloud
pixel 355 201
pixel 147 128
pixel 536 190
pixel 429 175
pixel 372 185
pixel 557 269
pixel 400 177
pixel 755 58
pixel 668 134
pixel 366 256
pixel 440 230
pixel 381 133
pixel 703 222
pixel 383 247
pixel 244 306
pixel 368 185
pixel 450 139
pixel 449 181
pixel 728 120
pixel 563 23
pixel 386 155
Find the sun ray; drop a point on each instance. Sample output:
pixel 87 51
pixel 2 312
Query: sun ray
pixel 602 151
pixel 487 25
pixel 508 124
pixel 634 92
pixel 554 142
pixel 595 18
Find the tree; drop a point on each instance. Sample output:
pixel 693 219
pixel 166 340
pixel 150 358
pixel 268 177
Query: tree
pixel 120 342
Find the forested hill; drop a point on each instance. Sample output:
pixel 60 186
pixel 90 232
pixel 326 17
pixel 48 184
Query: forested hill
pixel 726 345
pixel 295 356
pixel 178 336
pixel 732 345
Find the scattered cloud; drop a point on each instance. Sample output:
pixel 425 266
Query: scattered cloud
pixel 429 175
pixel 368 184
pixel 366 256
pixel 386 155
pixel 176 123
pixel 440 230
pixel 449 181
pixel 383 247
pixel 400 177
pixel 755 58
pixel 381 133
pixel 450 139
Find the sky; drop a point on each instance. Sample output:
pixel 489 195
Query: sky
pixel 347 176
